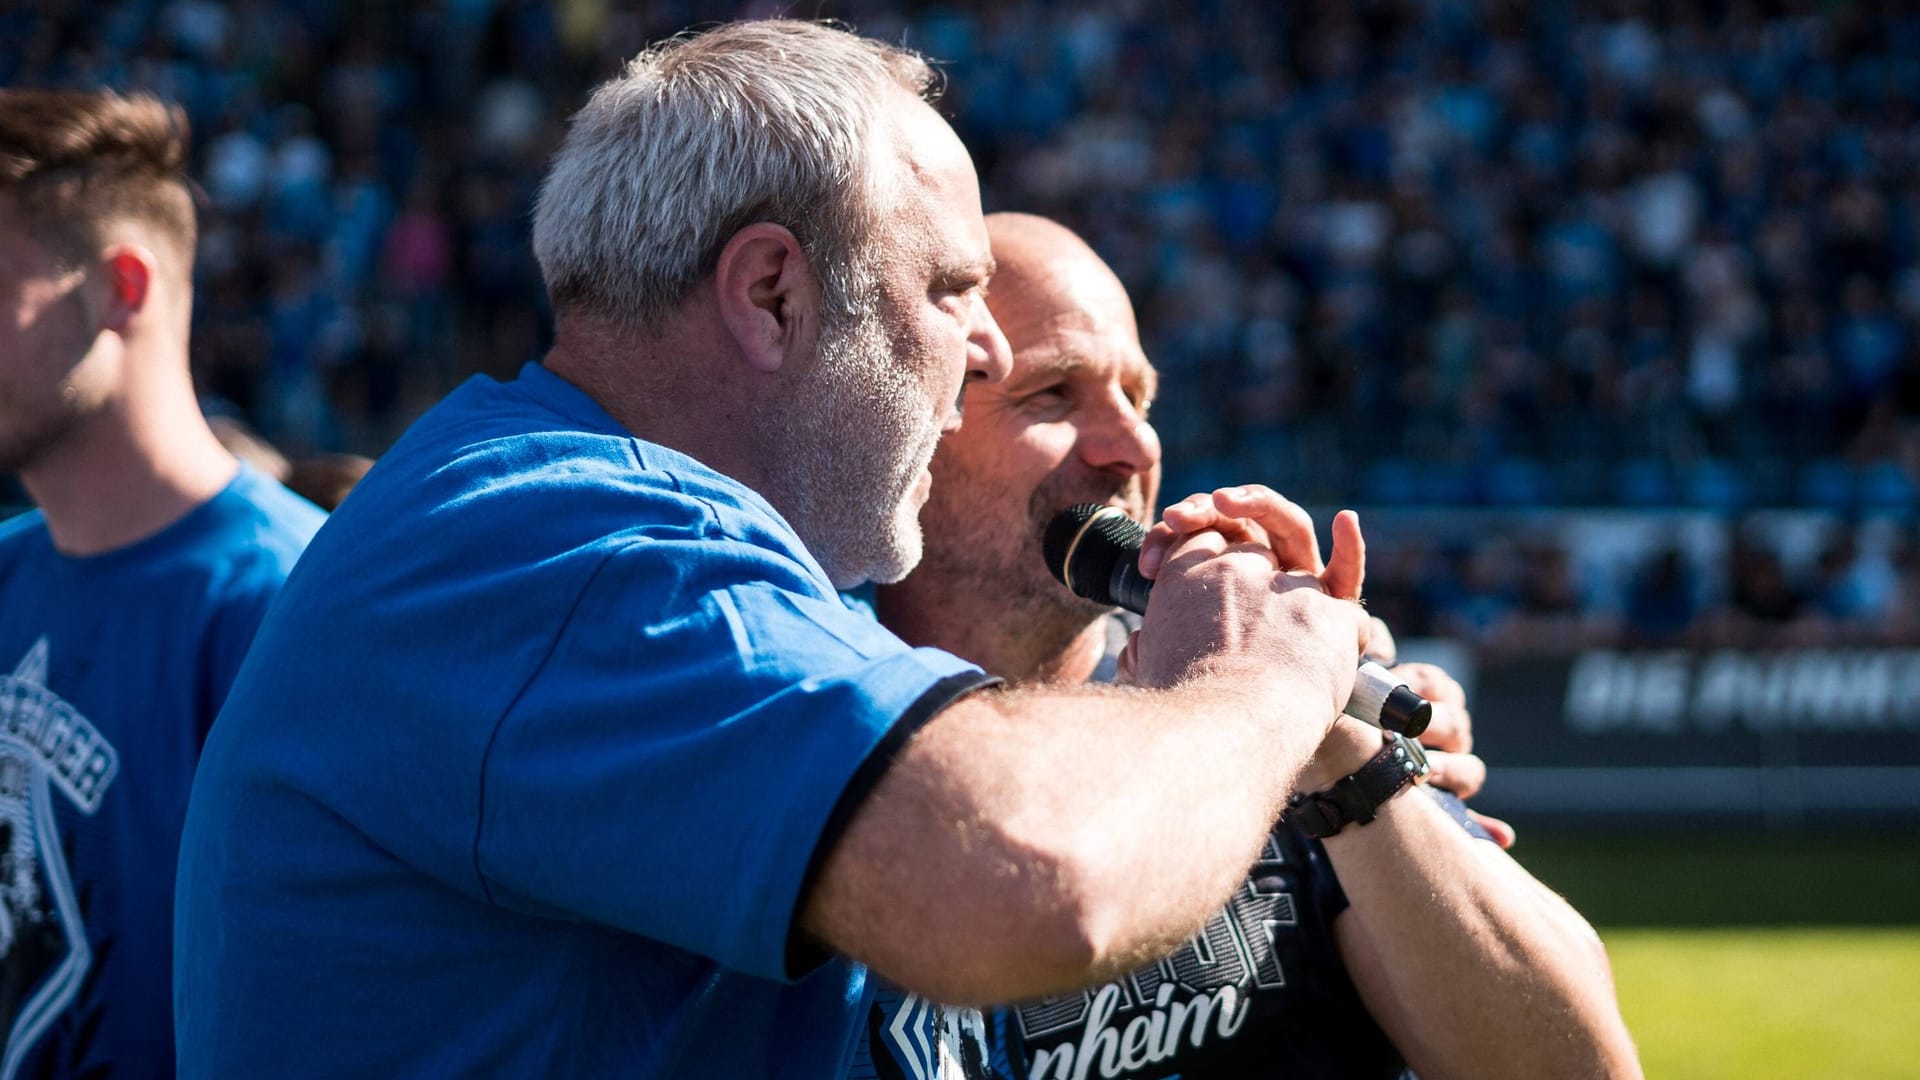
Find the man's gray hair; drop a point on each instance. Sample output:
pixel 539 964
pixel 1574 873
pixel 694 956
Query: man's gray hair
pixel 705 134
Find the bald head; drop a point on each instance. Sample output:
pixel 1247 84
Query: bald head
pixel 1046 273
pixel 1025 244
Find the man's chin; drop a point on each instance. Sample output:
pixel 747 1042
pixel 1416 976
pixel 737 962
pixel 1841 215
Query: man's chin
pixel 891 552
pixel 893 566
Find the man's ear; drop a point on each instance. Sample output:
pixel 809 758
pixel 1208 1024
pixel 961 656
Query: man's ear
pixel 769 297
pixel 128 272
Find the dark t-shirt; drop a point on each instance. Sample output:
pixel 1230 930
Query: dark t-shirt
pixel 1261 991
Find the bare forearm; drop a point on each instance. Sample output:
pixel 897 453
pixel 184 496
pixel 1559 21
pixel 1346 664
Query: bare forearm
pixel 1034 840
pixel 1471 965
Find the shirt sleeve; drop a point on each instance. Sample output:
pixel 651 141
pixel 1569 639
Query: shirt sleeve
pixel 686 752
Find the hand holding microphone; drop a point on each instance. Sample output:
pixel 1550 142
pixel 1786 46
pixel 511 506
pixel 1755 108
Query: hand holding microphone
pixel 1094 551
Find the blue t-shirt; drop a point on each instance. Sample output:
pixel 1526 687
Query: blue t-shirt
pixel 112 667
pixel 529 769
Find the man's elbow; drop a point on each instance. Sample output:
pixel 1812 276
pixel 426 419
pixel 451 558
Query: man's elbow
pixel 1054 929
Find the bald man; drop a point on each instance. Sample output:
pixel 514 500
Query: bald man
pixel 1403 942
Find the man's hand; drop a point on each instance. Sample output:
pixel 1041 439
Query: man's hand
pixel 1449 740
pixel 1228 595
pixel 1260 515
pixel 1452 726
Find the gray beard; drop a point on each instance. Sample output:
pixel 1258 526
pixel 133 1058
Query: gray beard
pixel 855 450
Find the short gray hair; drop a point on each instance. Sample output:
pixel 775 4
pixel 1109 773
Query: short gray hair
pixel 704 134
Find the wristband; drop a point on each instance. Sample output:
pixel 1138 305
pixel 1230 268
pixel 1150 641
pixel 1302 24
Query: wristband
pixel 1357 795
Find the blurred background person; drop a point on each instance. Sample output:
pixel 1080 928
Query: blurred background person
pixel 325 479
pixel 129 596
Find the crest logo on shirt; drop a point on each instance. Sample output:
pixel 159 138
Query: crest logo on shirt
pixel 45 746
pixel 911 1038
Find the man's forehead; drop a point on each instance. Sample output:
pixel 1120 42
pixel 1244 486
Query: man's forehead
pixel 916 148
pixel 1078 343
pixel 926 175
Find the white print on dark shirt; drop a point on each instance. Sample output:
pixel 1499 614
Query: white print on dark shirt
pixel 1197 996
pixel 45 744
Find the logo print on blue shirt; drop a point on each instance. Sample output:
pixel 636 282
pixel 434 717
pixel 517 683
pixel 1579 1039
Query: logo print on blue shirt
pixel 44 744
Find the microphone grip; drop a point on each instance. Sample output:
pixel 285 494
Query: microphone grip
pixel 1127 587
pixel 1384 700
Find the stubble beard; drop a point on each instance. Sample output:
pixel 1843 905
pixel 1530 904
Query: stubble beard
pixel 973 551
pixel 32 436
pixel 865 433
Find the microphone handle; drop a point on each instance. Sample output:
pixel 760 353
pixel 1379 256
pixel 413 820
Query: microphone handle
pixel 1126 585
pixel 1384 700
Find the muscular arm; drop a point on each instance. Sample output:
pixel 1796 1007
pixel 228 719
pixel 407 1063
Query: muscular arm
pixel 1470 965
pixel 1028 841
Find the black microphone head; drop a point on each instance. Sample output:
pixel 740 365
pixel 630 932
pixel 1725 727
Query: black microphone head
pixel 1083 545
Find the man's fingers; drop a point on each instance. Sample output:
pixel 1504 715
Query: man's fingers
pixel 1154 547
pixel 1347 569
pixel 1501 832
pixel 1194 514
pixel 1288 527
pixel 1251 513
pixel 1452 726
pixel 1381 648
pixel 1462 774
pixel 1450 730
pixel 1432 682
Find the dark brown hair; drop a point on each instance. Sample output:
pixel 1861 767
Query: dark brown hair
pixel 71 161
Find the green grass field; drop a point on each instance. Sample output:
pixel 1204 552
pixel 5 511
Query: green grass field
pixel 1753 957
pixel 1791 1004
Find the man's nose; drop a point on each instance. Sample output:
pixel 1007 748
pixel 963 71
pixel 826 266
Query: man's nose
pixel 1119 438
pixel 989 357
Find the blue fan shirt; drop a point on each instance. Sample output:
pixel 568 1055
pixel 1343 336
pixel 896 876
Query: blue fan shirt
pixel 112 668
pixel 529 770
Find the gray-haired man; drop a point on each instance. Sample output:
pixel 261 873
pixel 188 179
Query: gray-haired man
pixel 560 756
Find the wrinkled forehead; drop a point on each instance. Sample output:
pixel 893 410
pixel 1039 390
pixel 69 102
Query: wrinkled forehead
pixel 1077 343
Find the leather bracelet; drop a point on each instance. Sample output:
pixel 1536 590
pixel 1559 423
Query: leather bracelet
pixel 1355 797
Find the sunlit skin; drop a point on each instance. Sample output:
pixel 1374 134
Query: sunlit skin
pixel 936 261
pixel 54 370
pixel 1068 425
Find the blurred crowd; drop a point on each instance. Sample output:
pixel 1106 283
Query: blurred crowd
pixel 1386 252
pixel 1568 580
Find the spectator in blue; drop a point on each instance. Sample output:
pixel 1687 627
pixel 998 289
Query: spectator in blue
pixel 128 598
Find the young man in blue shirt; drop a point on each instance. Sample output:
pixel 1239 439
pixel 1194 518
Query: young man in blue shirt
pixel 128 597
pixel 560 754
pixel 1439 951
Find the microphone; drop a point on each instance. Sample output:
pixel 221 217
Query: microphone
pixel 1094 551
